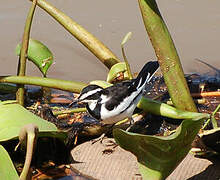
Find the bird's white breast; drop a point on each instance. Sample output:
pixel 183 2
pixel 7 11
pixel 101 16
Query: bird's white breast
pixel 123 110
pixel 92 105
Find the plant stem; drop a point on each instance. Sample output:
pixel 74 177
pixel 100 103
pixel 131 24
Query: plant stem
pixel 167 56
pixel 214 122
pixel 126 38
pixel 24 49
pixel 70 111
pixel 87 39
pixel 46 82
pixel 162 109
pixel 28 132
pixel 127 64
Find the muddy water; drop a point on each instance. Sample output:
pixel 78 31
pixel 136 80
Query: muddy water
pixel 194 25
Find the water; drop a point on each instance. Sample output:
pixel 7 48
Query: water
pixel 194 26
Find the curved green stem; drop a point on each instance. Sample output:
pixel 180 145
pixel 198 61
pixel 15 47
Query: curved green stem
pixel 29 132
pixel 87 39
pixel 163 109
pixel 46 82
pixel 24 49
pixel 167 56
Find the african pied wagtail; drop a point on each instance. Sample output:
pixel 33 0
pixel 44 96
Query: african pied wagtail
pixel 117 102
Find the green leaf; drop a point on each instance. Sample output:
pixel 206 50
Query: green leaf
pixel 100 83
pixel 115 69
pixel 7 169
pixel 126 38
pixel 167 56
pixel 159 156
pixel 39 54
pixel 13 117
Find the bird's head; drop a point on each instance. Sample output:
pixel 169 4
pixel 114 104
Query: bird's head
pixel 88 94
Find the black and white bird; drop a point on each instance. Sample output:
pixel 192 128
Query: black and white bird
pixel 117 102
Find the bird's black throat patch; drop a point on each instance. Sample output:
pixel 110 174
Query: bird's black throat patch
pixel 96 112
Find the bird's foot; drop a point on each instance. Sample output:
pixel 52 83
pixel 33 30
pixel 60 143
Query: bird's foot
pixel 103 136
pixel 100 139
pixel 131 123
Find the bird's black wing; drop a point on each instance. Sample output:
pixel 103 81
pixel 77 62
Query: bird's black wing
pixel 117 94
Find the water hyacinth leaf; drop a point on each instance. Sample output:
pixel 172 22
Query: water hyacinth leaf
pixel 100 83
pixel 39 54
pixel 7 169
pixel 155 154
pixel 13 117
pixel 167 56
pixel 115 70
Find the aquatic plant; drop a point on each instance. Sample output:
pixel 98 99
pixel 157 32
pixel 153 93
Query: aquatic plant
pixel 146 148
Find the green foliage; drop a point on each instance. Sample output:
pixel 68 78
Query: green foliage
pixel 16 121
pixel 13 117
pixel 39 54
pixel 162 109
pixel 100 83
pixel 128 68
pixel 7 169
pixel 167 56
pixel 121 67
pixel 115 70
pixel 24 51
pixel 156 154
pixel 104 54
pixel 65 85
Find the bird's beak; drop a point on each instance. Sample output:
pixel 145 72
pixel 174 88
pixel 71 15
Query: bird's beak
pixel 73 103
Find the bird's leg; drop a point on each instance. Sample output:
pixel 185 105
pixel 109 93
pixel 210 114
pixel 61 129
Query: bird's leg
pixel 103 136
pixel 100 138
pixel 131 123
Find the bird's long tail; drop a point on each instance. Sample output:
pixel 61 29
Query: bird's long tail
pixel 146 73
